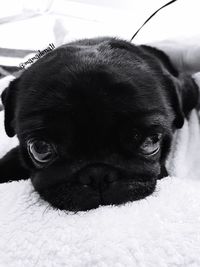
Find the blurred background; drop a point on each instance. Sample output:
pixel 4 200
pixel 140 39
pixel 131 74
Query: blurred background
pixel 28 26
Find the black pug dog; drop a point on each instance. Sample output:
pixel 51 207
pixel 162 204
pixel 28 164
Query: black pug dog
pixel 95 119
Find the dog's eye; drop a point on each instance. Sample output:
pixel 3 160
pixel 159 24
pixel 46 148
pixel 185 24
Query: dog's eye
pixel 40 151
pixel 151 145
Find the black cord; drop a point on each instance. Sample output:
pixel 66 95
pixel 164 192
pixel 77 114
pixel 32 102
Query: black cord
pixel 169 3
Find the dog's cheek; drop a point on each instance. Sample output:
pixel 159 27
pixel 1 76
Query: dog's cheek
pixel 25 159
pixel 121 193
pixel 71 198
pixel 45 178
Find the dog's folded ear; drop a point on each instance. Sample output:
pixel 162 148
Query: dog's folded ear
pixel 184 92
pixel 8 98
pixel 185 97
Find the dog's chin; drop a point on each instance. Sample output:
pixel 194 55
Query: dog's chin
pixel 82 197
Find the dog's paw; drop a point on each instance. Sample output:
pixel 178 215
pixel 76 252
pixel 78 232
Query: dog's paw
pixel 11 168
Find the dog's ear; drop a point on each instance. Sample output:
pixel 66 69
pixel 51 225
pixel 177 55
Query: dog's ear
pixel 185 97
pixel 184 92
pixel 8 98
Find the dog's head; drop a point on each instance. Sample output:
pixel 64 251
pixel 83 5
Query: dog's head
pixel 95 120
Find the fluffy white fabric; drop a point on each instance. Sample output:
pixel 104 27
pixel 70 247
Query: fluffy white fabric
pixel 160 231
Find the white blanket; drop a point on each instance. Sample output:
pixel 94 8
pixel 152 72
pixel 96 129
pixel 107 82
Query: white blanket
pixel 162 230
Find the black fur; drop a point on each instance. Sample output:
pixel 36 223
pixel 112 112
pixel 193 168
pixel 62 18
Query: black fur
pixel 89 98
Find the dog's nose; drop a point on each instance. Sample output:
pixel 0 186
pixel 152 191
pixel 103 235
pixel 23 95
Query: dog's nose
pixel 96 176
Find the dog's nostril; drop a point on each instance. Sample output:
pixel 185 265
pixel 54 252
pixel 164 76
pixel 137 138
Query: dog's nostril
pixel 85 179
pixel 110 177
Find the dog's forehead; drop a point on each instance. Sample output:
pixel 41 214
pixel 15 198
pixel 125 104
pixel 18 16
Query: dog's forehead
pixel 92 103
pixel 89 88
pixel 94 89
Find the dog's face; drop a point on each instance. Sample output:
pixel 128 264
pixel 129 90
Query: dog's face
pixel 95 122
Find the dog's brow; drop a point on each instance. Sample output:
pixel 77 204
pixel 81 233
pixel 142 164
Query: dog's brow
pixel 34 129
pixel 156 127
pixel 152 118
pixel 155 122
